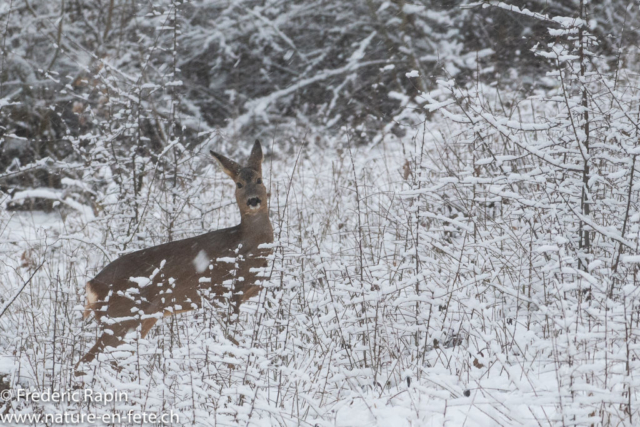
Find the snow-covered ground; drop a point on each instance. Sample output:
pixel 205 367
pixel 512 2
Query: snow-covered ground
pixel 454 192
pixel 383 307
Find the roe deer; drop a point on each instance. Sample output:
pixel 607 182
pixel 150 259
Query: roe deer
pixel 139 288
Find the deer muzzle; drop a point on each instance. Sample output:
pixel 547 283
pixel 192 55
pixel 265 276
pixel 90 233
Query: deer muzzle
pixel 253 202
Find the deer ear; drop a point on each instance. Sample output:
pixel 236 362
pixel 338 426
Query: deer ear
pixel 229 167
pixel 255 159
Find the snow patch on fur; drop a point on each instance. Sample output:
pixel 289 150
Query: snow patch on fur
pixel 201 261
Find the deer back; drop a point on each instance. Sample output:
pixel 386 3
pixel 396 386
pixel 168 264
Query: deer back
pixel 170 278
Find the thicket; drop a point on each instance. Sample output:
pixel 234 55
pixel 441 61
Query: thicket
pixel 456 230
pixel 143 74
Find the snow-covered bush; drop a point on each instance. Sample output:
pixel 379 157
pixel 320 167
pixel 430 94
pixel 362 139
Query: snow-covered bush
pixel 474 264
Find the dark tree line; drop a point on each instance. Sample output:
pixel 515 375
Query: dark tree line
pixel 143 73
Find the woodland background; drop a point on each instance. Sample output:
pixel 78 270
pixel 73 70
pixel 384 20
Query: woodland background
pixel 453 190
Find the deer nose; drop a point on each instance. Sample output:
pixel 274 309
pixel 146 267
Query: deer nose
pixel 253 202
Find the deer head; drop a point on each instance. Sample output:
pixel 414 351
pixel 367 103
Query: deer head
pixel 251 193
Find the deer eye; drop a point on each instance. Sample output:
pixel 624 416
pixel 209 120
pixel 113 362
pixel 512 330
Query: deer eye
pixel 259 180
pixel 239 185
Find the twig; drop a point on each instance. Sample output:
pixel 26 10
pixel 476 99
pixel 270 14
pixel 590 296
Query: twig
pixel 6 305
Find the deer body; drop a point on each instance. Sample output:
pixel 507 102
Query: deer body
pixel 139 288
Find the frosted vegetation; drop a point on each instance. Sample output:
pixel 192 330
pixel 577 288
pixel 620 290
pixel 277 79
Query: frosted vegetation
pixel 456 239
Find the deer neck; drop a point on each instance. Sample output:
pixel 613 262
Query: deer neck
pixel 256 228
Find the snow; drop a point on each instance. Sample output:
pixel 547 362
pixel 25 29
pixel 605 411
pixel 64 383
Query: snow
pixel 7 364
pixel 141 281
pixel 201 261
pixel 44 193
pixel 510 8
pixel 548 248
pixel 454 257
pixel 51 194
pixel 411 9
pixel 6 101
pixel 501 388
